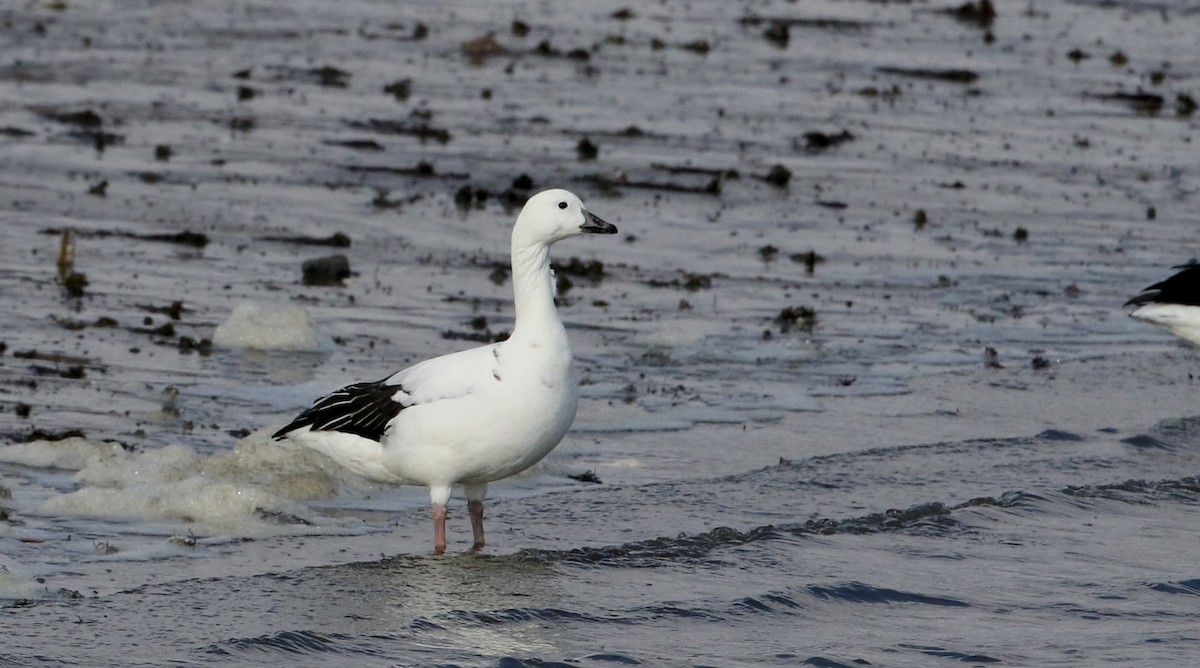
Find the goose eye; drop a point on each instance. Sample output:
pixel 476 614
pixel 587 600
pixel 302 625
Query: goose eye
pixel 562 205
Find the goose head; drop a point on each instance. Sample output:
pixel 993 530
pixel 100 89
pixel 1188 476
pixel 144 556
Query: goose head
pixel 554 215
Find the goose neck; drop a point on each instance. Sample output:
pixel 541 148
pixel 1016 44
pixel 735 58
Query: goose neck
pixel 533 291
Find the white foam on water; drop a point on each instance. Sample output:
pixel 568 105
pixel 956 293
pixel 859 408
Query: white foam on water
pixel 72 453
pixel 15 582
pixel 266 327
pixel 254 489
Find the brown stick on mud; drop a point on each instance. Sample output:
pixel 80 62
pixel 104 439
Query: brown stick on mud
pixel 66 254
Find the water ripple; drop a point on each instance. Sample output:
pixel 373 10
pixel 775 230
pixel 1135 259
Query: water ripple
pixel 1189 587
pixel 951 654
pixel 857 592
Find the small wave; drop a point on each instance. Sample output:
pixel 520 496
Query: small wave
pixel 770 603
pixel 653 552
pixel 1142 492
pixel 1057 435
pixel 604 657
pixel 301 642
pixel 857 592
pixel 1170 435
pixel 932 518
pixel 951 654
pixel 607 657
pixel 822 662
pixel 512 662
pixel 1189 587
pixel 786 470
pixel 291 642
pixel 1147 442
pixel 1184 429
pixel 675 611
pixel 510 615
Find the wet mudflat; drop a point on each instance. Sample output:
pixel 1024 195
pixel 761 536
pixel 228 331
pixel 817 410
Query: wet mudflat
pixel 858 388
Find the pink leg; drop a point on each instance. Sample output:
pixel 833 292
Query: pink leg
pixel 475 507
pixel 439 528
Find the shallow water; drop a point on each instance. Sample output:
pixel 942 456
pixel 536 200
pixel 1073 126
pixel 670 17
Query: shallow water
pixel 862 489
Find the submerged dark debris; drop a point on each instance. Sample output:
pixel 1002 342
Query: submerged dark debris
pixel 103 322
pixel 779 176
pixel 165 330
pixel 1150 104
pixel 815 142
pixel 1141 102
pixel 420 170
pixel 592 270
pixel 325 75
pixel 544 48
pixel 57 358
pixel 355 144
pixel 401 89
pixel 335 240
pixel 778 33
pixel 330 270
pixel 174 311
pixel 980 14
pixel 586 476
pixel 188 345
pixel 84 118
pixel 830 203
pixel 486 336
pixel 991 358
pixel 382 201
pixel 617 181
pixel 418 128
pixel 587 150
pixel 951 75
pixel 714 172
pixel 185 238
pixel 475 197
pixel 809 259
pixel 74 283
pixel 800 318
pixel 479 49
pixel 688 281
pixel 39 434
pixel 822 24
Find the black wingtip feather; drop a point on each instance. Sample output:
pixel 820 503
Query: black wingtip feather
pixel 362 409
pixel 1182 288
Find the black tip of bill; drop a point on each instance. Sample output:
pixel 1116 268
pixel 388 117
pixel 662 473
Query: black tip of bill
pixel 592 223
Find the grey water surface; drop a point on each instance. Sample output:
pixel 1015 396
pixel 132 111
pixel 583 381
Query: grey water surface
pixel 858 386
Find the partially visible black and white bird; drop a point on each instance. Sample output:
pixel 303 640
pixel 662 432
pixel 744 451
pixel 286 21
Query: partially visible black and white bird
pixel 478 415
pixel 1173 304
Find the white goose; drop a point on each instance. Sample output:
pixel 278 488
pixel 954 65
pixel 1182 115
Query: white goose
pixel 473 416
pixel 1173 304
